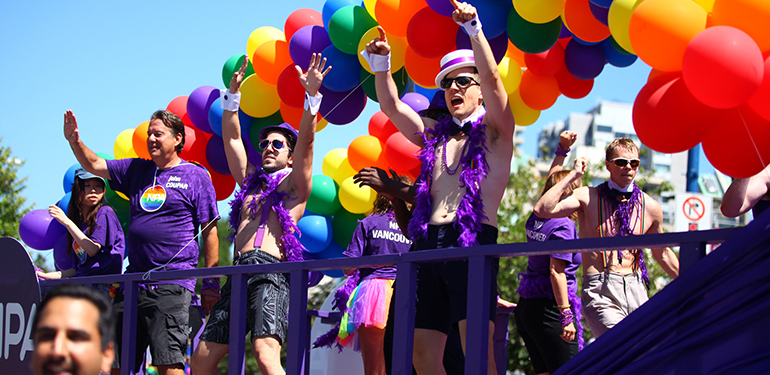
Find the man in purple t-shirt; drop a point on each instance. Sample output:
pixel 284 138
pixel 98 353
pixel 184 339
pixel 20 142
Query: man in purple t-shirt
pixel 170 199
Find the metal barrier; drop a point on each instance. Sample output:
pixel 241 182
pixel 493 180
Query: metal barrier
pixel 692 248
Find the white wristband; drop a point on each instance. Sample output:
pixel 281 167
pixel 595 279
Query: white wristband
pixel 472 27
pixel 313 103
pixel 229 101
pixel 377 62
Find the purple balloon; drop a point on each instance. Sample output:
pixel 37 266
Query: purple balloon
pixel 499 44
pixel 198 104
pixel 313 278
pixel 306 41
pixel 39 230
pixel 601 3
pixel 418 102
pixel 600 13
pixel 61 260
pixel 584 62
pixel 215 155
pixel 442 7
pixel 565 33
pixel 340 108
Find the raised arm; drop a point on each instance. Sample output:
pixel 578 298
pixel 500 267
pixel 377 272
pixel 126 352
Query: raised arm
pixel 664 256
pixel 237 159
pixel 745 193
pixel 499 116
pixel 551 204
pixel 302 177
pixel 566 140
pixel 408 122
pixel 389 186
pixel 87 158
pixel 88 245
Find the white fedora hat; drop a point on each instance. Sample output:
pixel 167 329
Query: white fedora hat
pixel 461 58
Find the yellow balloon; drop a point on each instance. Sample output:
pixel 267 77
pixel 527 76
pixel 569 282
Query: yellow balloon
pixel 539 11
pixel 398 46
pixel 321 125
pixel 522 114
pixel 336 165
pixel 259 98
pixel 262 35
pixel 619 19
pixel 123 147
pixel 707 5
pixel 510 74
pixel 356 199
pixel 369 5
pixel 122 195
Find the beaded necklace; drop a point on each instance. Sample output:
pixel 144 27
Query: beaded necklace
pixel 470 212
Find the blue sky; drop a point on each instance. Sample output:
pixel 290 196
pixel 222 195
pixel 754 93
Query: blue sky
pixel 114 63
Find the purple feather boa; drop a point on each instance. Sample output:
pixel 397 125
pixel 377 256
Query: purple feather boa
pixel 268 184
pixel 531 286
pixel 622 221
pixel 470 212
pixel 341 297
pixel 577 307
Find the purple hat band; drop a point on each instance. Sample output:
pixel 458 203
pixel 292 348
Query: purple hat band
pixel 458 60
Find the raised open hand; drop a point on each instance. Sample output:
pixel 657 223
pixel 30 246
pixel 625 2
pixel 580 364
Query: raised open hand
pixel 379 46
pixel 71 132
pixel 463 12
pixel 312 79
pixel 235 82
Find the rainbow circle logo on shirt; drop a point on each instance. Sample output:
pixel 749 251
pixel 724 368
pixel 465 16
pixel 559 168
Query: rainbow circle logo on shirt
pixel 152 199
pixel 79 251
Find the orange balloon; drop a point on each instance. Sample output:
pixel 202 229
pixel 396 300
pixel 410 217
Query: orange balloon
pixel 661 29
pixel 654 73
pixel 538 92
pixel 394 15
pixel 581 22
pixel 364 152
pixel 293 116
pixel 422 70
pixel 515 54
pixel 750 16
pixel 139 140
pixel 270 59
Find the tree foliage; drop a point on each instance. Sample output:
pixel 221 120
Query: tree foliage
pixel 11 201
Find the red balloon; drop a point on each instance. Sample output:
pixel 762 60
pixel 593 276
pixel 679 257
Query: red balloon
pixel 381 127
pixel 223 185
pixel 667 118
pixel 178 106
pixel 759 102
pixel 723 67
pixel 195 141
pixel 290 90
pixel 546 63
pixel 572 87
pixel 401 154
pixel 538 92
pixel 301 18
pixel 430 34
pixel 738 151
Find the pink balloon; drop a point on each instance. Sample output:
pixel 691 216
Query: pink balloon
pixel 723 67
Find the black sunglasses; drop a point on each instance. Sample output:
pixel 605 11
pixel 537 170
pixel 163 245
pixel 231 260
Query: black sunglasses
pixel 277 144
pixel 462 82
pixel 622 162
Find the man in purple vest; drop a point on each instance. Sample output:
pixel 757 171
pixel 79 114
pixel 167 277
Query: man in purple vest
pixel 471 149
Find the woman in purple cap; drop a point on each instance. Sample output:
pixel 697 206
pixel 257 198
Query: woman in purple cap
pixel 548 313
pixel 93 230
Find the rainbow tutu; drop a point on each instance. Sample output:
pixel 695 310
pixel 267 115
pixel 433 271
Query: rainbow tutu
pixel 368 306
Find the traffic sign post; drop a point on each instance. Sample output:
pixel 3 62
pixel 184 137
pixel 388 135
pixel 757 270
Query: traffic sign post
pixel 693 212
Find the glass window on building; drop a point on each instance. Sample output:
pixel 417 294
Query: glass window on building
pixel 604 128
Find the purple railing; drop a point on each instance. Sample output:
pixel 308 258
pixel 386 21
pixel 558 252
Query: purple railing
pixel 692 248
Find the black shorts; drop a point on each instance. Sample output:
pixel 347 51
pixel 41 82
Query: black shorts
pixel 267 308
pixel 162 322
pixel 537 320
pixel 443 286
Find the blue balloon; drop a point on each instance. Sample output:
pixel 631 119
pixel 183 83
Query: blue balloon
pixel 69 177
pixel 215 117
pixel 334 250
pixel 64 202
pixel 346 70
pixel 601 3
pixel 616 57
pixel 245 121
pixel 493 15
pixel 331 7
pixel 61 260
pixel 316 232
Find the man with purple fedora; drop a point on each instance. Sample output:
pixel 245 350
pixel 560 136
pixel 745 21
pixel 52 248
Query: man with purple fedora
pixel 271 199
pixel 471 149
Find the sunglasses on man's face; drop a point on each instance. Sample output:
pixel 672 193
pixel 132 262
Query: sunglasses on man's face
pixel 277 144
pixel 462 82
pixel 622 162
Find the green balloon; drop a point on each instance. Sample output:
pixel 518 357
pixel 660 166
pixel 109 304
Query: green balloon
pixel 232 65
pixel 323 198
pixel 532 37
pixel 348 25
pixel 260 123
pixel 400 77
pixel 343 225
